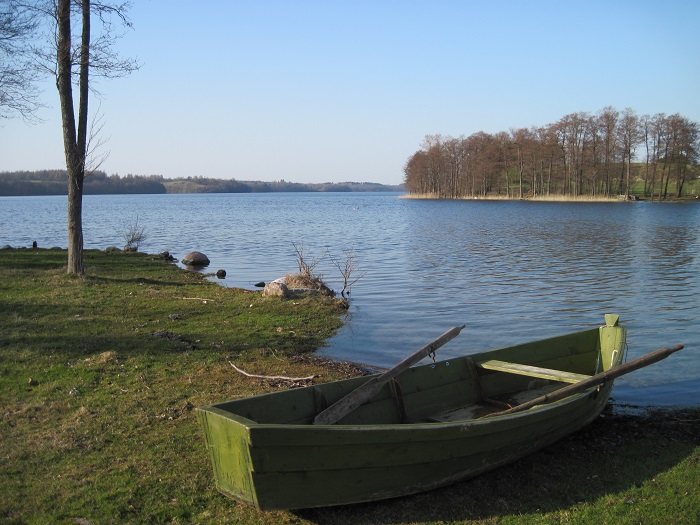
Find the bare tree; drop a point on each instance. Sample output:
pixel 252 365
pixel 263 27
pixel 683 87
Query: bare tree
pixel 630 135
pixel 607 121
pixel 435 168
pixel 18 89
pixel 682 150
pixel 455 153
pixel 521 141
pixel 482 162
pixel 504 148
pixel 415 172
pixel 134 235
pixel 75 62
pixel 348 268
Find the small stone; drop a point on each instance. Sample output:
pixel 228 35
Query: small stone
pixel 166 256
pixel 33 382
pixel 221 274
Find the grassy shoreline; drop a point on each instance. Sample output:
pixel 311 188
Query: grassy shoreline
pixel 99 376
pixel 539 198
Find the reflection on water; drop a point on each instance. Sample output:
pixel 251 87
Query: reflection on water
pixel 510 271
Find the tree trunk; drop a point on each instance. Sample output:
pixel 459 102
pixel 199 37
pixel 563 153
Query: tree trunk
pixel 680 180
pixel 74 144
pixel 75 224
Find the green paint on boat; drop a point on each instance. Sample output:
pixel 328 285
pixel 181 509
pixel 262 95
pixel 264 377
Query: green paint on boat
pixel 431 426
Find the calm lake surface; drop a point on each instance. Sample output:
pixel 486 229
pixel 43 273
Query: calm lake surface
pixel 511 271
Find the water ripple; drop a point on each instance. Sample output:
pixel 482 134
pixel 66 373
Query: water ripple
pixel 512 271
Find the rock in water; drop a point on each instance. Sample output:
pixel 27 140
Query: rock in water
pixel 195 259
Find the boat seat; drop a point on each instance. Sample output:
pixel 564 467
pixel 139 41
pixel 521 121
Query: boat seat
pixel 532 371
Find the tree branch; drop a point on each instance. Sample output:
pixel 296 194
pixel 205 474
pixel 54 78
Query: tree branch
pixel 282 378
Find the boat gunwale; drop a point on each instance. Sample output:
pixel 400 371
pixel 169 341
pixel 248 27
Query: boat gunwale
pixel 256 427
pixel 252 425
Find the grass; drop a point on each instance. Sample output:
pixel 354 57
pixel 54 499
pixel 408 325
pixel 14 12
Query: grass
pixel 99 376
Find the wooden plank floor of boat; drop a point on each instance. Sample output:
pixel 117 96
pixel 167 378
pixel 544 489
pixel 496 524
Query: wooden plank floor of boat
pixel 478 410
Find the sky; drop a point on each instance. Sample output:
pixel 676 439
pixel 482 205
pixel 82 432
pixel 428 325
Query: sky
pixel 333 91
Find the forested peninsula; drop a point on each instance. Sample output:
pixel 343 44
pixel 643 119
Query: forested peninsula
pixel 55 182
pixel 604 155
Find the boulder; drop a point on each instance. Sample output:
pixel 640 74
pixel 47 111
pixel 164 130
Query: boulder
pixel 195 259
pixel 276 287
pixel 291 286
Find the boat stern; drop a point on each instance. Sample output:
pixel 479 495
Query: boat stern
pixel 227 439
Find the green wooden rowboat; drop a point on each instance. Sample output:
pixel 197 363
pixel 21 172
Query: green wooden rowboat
pixel 430 426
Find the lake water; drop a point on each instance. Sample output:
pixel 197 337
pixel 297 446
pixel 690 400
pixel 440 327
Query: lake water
pixel 511 271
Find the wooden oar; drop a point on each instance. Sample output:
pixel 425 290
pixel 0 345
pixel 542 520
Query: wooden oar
pixel 595 380
pixel 368 390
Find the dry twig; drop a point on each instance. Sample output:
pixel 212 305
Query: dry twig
pixel 272 378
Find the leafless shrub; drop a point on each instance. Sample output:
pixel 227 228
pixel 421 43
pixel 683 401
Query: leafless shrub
pixel 348 267
pixel 307 282
pixel 347 264
pixel 306 263
pixel 134 236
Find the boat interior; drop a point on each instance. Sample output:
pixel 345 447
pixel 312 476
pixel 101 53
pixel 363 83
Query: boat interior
pixel 458 389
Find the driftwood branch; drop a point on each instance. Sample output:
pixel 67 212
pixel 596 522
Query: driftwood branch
pixel 272 378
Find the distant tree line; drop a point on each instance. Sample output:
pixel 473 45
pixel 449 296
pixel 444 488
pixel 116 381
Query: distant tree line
pixel 210 185
pixel 581 154
pixel 54 182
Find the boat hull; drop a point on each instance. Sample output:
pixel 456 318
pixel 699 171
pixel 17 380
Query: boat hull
pixel 266 452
